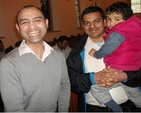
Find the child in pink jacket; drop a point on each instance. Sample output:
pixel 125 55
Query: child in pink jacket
pixel 121 51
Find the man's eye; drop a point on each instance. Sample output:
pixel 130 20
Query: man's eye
pixel 24 22
pixel 38 20
pixel 97 21
pixel 86 23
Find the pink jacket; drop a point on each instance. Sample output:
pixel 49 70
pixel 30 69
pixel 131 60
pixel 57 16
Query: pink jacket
pixel 128 55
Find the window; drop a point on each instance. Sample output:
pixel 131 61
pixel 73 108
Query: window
pixel 46 10
pixel 50 10
pixel 1 25
pixel 78 13
pixel 136 6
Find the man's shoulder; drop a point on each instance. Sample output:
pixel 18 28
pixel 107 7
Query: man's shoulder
pixel 12 54
pixel 10 58
pixel 68 48
pixel 55 47
pixel 57 54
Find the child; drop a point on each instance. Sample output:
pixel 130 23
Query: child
pixel 121 50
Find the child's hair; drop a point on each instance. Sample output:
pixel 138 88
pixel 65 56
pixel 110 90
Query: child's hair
pixel 120 8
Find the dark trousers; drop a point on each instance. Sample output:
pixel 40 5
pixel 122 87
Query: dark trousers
pixel 128 106
pixel 1 105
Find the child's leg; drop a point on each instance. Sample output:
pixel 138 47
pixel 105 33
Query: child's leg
pixel 113 106
pixel 133 94
pixel 103 96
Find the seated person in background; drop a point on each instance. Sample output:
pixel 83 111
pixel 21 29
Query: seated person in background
pixel 10 48
pixel 121 50
pixel 2 52
pixel 17 44
pixel 62 45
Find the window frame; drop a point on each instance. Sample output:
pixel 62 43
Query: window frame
pixel 136 7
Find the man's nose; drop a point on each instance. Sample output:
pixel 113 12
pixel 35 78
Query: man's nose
pixel 32 24
pixel 92 25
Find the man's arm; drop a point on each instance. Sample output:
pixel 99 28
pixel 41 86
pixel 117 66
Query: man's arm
pixel 113 41
pixel 80 81
pixel 10 87
pixel 134 78
pixel 129 78
pixel 64 95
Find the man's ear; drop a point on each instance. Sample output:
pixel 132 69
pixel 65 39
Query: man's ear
pixel 17 28
pixel 46 23
pixel 105 22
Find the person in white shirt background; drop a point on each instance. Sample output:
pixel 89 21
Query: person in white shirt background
pixel 63 45
pixel 2 52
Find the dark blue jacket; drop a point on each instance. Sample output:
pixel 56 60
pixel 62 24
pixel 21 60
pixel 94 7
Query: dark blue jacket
pixel 81 82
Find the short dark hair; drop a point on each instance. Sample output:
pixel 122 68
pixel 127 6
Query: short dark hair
pixel 7 50
pixel 120 8
pixel 62 38
pixel 17 44
pixel 91 9
pixel 28 6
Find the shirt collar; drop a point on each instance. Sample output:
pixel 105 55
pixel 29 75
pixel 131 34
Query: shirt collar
pixel 23 49
pixel 90 42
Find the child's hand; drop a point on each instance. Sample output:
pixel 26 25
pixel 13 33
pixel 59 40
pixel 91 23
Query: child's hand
pixel 91 52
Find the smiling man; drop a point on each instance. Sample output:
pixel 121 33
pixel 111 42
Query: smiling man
pixel 28 80
pixel 86 71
